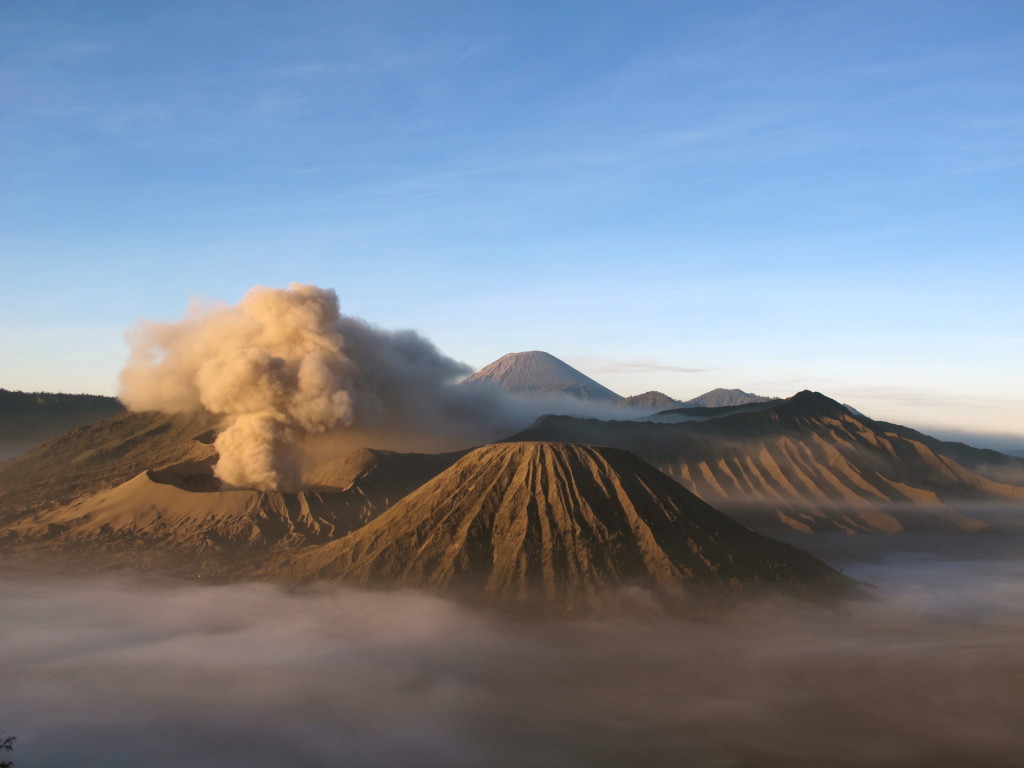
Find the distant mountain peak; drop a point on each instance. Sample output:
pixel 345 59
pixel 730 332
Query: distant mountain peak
pixel 652 401
pixel 540 373
pixel 720 397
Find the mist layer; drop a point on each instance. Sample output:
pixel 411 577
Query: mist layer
pixel 127 675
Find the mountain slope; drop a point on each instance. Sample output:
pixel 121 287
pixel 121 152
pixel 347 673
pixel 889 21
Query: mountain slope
pixel 382 477
pixel 995 465
pixel 558 525
pixel 805 463
pixel 538 373
pixel 28 419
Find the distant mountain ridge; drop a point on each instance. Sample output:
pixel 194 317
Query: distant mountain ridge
pixel 809 464
pixel 28 419
pixel 656 402
pixel 541 373
pixel 702 412
pixel 718 398
pixel 651 401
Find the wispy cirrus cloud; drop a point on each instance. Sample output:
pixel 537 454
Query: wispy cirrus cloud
pixel 644 365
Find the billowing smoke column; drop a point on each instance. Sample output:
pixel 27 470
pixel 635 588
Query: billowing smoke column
pixel 281 365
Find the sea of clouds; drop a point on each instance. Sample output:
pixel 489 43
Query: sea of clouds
pixel 115 671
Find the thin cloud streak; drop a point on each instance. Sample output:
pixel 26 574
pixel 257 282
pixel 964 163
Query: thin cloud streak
pixel 600 365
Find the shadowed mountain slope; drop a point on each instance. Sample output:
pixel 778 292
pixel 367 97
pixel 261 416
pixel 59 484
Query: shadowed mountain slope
pixel 703 412
pixel 808 464
pixel 559 525
pixel 28 419
pixel 538 373
pixel 994 465
pixel 381 477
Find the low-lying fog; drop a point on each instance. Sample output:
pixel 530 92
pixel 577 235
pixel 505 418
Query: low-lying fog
pixel 117 672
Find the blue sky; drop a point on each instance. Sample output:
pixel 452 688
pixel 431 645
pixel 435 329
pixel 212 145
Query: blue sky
pixel 668 195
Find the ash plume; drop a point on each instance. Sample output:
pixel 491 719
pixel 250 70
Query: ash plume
pixel 286 364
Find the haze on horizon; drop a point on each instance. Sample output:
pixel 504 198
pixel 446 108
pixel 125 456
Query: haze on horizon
pixel 771 196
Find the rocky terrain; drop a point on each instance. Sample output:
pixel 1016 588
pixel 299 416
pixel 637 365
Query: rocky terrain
pixel 809 464
pixel 559 525
pixel 556 515
pixel 536 524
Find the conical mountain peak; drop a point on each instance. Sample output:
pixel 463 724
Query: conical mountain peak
pixel 557 525
pixel 540 373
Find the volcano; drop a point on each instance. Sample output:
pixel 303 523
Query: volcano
pixel 183 507
pixel 538 373
pixel 97 457
pixel 181 519
pixel 558 526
